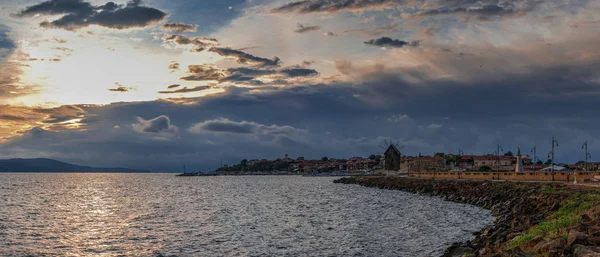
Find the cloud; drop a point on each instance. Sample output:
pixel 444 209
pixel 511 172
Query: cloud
pixel 483 13
pixel 246 58
pixel 227 126
pixel 198 44
pixel 186 90
pixel 180 27
pixel 244 74
pixel 398 118
pixel 7 46
pixel 304 29
pixel 388 42
pixel 203 73
pixel 331 6
pixel 374 31
pixel 174 86
pixel 174 66
pixel 120 88
pixel 77 14
pixel 159 125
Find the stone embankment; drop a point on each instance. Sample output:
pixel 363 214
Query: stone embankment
pixel 532 219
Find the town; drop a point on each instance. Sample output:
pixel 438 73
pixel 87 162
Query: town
pixel 376 164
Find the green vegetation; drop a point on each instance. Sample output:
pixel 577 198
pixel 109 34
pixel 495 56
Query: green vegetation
pixel 550 190
pixel 485 168
pixel 559 222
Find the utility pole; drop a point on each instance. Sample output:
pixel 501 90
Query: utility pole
pixel 554 143
pixel 499 148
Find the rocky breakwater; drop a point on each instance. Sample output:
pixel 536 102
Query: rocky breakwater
pixel 532 219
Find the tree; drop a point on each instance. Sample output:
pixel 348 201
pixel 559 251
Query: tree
pixel 324 158
pixel 378 157
pixel 300 158
pixel 372 157
pixel 485 168
pixel 548 162
pixel 509 153
pixel 539 162
pixel 244 162
pixel 440 154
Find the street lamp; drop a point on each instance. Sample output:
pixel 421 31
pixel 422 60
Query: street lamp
pixel 554 143
pixel 587 155
pixel 498 149
pixel 534 150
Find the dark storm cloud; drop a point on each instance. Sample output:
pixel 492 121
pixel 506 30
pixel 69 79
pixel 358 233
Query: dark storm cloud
pixel 488 10
pixel 388 42
pixel 299 72
pixel 224 125
pixel 186 90
pixel 246 58
pixel 180 27
pixel 199 43
pixel 484 10
pixel 344 120
pixel 243 74
pixel 7 46
pixel 12 117
pixel 77 14
pixel 304 29
pixel 312 6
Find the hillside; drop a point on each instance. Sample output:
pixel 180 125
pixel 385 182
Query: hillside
pixel 49 165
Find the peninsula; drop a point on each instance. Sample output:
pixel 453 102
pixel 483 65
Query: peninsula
pixel 49 165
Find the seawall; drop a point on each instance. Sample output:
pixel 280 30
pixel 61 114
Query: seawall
pixel 532 219
pixel 515 176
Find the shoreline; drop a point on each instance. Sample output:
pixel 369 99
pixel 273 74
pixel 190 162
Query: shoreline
pixel 531 219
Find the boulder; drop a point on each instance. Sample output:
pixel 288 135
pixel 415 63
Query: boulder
pixel 576 237
pixel 584 251
pixel 553 248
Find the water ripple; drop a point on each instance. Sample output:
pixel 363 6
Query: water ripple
pixel 163 215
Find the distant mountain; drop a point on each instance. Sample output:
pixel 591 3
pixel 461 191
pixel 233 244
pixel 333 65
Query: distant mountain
pixel 49 165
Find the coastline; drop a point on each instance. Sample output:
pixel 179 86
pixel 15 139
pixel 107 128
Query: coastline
pixel 532 219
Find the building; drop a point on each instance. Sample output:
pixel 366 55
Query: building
pixel 360 164
pixel 424 163
pixel 492 161
pixel 392 158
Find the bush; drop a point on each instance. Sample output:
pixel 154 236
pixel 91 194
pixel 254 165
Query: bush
pixel 485 168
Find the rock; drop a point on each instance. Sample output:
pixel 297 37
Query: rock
pixel 553 248
pixel 461 251
pixel 584 251
pixel 576 237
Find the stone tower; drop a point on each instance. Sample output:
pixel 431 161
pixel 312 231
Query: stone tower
pixel 519 165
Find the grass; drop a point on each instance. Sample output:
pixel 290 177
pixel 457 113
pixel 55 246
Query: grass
pixel 550 190
pixel 558 222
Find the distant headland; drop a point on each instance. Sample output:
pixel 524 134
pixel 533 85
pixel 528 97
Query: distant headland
pixel 49 165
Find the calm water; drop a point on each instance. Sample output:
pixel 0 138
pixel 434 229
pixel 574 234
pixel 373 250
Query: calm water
pixel 160 214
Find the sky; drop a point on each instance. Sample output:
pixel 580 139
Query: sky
pixel 157 84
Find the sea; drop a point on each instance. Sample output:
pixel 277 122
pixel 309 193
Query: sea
pixel 97 214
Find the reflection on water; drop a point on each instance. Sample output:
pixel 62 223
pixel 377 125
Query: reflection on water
pixel 153 214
